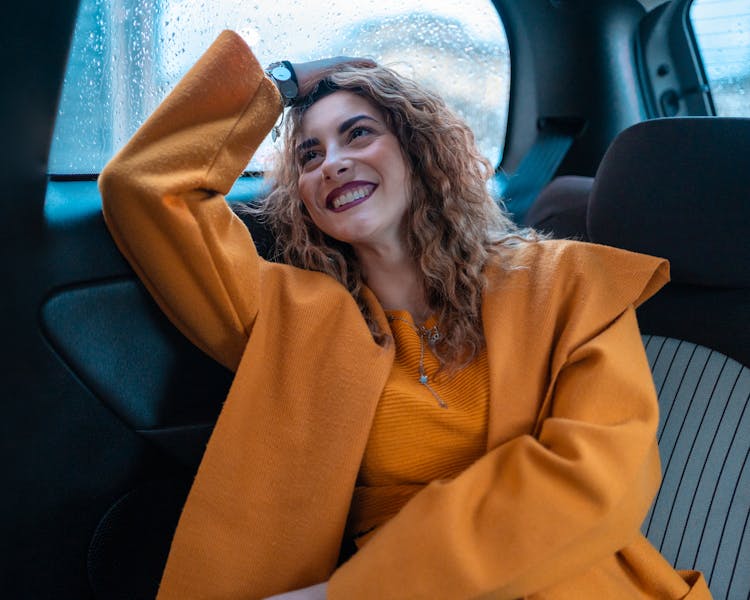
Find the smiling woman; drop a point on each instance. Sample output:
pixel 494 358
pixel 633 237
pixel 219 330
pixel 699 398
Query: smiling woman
pixel 382 438
pixel 331 452
pixel 349 159
pixel 373 134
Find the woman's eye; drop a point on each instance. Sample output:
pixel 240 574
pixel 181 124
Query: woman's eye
pixel 307 157
pixel 359 132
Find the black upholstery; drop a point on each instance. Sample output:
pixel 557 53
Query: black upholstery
pixel 560 208
pixel 679 188
pixel 116 340
pixel 130 545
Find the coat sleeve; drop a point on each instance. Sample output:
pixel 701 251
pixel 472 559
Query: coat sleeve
pixel 539 507
pixel 163 198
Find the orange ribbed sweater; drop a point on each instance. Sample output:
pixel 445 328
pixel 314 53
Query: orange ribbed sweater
pixel 414 440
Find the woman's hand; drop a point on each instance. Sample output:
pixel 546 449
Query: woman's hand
pixel 309 73
pixel 314 592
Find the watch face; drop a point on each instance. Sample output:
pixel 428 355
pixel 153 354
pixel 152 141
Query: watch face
pixel 281 73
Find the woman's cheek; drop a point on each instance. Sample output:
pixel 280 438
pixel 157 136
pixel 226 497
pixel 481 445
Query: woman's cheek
pixel 305 195
pixel 302 189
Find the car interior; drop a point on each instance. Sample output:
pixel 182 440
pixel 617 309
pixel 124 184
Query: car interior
pixel 613 137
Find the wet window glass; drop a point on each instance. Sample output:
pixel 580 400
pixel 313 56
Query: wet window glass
pixel 722 32
pixel 127 54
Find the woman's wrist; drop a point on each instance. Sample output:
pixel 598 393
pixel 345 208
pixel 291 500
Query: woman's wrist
pixel 283 75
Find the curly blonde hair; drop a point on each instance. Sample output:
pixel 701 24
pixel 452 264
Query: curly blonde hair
pixel 454 224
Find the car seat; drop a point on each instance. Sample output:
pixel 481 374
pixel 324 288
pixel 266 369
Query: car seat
pixel 560 208
pixel 679 188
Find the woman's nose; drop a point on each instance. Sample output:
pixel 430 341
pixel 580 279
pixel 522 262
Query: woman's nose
pixel 334 165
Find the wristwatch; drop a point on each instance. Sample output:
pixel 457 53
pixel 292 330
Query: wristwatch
pixel 283 76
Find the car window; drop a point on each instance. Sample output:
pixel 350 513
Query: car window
pixel 127 54
pixel 722 32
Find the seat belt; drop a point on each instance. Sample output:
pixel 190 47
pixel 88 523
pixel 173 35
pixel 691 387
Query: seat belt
pixel 538 167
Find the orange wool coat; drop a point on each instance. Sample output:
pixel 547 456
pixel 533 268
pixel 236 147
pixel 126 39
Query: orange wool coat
pixel 551 511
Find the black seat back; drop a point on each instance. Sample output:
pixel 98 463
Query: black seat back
pixel 679 188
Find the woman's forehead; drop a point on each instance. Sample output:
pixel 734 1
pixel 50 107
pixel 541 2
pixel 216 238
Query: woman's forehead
pixel 329 113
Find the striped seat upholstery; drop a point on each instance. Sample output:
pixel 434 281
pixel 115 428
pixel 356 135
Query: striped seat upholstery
pixel 699 519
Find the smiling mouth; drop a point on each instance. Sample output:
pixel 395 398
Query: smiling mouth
pixel 349 196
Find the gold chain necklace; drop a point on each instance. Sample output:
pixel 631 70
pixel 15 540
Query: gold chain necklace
pixel 429 335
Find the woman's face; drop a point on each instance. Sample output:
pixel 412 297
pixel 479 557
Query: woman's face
pixel 353 174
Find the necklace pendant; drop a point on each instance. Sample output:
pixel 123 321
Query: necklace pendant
pixel 430 336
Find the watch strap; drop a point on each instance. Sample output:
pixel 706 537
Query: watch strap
pixel 283 75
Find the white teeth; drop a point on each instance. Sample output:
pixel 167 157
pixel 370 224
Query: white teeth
pixel 350 196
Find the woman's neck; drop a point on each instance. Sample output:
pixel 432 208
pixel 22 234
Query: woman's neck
pixel 394 279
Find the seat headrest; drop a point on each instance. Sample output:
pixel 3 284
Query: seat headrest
pixel 679 188
pixel 560 208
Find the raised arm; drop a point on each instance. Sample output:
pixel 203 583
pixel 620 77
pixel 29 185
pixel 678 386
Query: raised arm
pixel 537 509
pixel 164 197
pixel 164 194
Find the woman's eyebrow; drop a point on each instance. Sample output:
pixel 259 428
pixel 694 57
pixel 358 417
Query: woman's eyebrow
pixel 349 122
pixel 308 143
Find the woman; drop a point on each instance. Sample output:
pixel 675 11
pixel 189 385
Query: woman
pixel 473 411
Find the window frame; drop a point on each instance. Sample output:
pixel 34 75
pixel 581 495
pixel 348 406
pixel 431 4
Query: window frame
pixel 673 77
